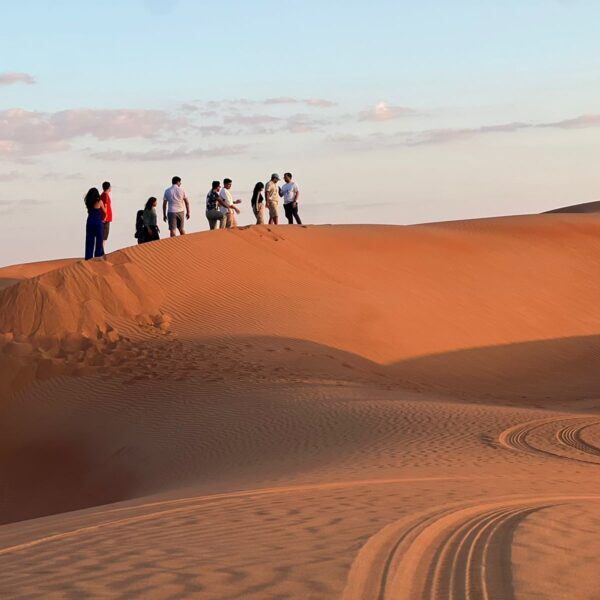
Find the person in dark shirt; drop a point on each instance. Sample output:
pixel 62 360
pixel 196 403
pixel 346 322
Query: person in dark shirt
pixel 94 225
pixel 213 202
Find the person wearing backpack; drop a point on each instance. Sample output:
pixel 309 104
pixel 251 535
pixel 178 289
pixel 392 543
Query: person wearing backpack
pixel 213 204
pixel 149 218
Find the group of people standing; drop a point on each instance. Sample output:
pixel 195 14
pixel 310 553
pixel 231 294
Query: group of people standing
pixel 221 210
pixel 221 206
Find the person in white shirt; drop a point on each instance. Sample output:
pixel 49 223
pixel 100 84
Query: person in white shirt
pixel 228 204
pixel 175 206
pixel 290 193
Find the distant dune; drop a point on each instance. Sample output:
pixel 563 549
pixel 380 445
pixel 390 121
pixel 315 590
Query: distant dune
pixel 316 412
pixel 586 207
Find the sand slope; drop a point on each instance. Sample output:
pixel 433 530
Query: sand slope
pixel 356 411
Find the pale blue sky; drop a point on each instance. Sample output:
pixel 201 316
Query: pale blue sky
pixel 485 108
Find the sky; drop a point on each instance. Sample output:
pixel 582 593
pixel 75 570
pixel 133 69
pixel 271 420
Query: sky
pixel 394 112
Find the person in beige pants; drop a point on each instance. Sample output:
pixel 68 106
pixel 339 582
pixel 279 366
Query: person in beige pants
pixel 272 195
pixel 230 203
pixel 258 203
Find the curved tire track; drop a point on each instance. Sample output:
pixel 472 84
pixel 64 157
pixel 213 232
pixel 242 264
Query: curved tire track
pixel 455 554
pixel 562 440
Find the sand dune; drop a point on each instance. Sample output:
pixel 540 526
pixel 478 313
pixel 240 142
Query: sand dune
pixel 315 412
pixel 585 207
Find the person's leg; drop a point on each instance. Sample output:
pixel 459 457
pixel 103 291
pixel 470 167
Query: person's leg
pixel 295 213
pixel 105 232
pixel 181 223
pixel 289 213
pixel 89 241
pixel 172 223
pixel 273 214
pixel 227 220
pixel 98 236
pixel 259 213
pixel 233 219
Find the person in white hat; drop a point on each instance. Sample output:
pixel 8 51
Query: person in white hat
pixel 272 195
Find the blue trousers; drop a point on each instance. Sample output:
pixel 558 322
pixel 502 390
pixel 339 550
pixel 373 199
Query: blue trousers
pixel 93 238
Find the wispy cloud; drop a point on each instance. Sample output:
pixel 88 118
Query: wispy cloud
pixel 383 111
pixel 29 133
pixel 314 102
pixel 11 78
pixel 11 207
pixel 10 176
pixel 250 119
pixel 159 154
pixel 580 122
pixel 449 134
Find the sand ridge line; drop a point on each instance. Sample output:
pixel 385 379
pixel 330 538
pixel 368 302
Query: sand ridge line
pixel 569 436
pixel 201 500
pixel 462 552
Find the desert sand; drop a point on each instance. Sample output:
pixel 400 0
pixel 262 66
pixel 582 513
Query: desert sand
pixel 354 412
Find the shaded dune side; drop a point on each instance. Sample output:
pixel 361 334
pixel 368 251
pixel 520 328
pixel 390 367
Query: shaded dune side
pixel 92 440
pixel 585 207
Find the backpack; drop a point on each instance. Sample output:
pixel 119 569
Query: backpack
pixel 140 228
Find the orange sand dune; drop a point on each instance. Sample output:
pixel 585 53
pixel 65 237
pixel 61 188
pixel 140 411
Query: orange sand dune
pixel 311 412
pixel 16 273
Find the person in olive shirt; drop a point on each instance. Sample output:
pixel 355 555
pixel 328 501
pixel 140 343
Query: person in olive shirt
pixel 150 221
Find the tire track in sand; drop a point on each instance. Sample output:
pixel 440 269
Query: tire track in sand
pixel 559 437
pixel 453 554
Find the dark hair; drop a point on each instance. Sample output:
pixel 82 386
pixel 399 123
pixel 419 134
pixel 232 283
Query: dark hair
pixel 106 186
pixel 257 190
pixel 91 198
pixel 226 181
pixel 288 175
pixel 176 180
pixel 215 185
pixel 149 203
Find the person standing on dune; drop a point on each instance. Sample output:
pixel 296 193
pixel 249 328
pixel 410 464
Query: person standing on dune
pixel 258 203
pixel 105 197
pixel 213 207
pixel 176 206
pixel 272 194
pixel 290 193
pixel 94 226
pixel 227 202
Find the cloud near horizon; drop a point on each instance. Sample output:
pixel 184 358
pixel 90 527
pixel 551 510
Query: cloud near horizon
pixel 13 77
